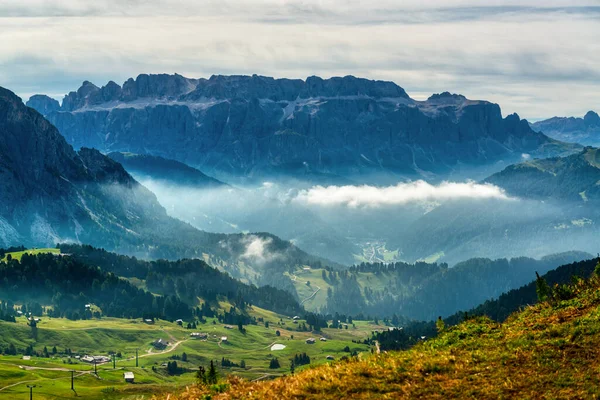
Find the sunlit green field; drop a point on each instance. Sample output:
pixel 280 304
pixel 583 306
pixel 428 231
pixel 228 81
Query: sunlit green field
pixel 314 296
pixel 18 254
pixel 52 375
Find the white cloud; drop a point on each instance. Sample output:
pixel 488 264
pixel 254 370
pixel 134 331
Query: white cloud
pixel 257 249
pixel 537 61
pixel 402 193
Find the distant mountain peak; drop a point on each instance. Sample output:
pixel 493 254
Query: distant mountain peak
pixel 584 130
pixel 446 96
pixel 591 118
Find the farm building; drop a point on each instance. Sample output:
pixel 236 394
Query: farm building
pixel 149 321
pixel 128 376
pixel 160 344
pixel 296 318
pixel 224 339
pixel 228 326
pixel 323 339
pixel 330 357
pixel 310 341
pixel 197 335
pixel 95 359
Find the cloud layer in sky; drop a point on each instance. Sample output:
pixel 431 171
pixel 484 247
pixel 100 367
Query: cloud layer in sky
pixel 537 61
pixel 402 193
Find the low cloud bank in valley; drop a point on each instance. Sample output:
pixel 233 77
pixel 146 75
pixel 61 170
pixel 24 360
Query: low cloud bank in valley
pixel 400 194
pixel 257 249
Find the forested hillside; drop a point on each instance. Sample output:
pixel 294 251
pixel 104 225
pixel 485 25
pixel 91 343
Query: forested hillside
pixel 497 309
pixel 187 279
pixel 68 285
pixel 425 291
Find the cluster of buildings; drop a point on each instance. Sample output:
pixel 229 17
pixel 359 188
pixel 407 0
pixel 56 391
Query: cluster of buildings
pixel 198 335
pixel 95 359
pixel 313 340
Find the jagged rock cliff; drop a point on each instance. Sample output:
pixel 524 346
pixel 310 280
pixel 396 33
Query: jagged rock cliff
pixel 253 125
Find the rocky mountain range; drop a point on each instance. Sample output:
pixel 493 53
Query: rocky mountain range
pixel 259 126
pixel 584 130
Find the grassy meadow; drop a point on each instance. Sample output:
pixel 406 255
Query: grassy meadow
pixel 18 254
pixel 100 336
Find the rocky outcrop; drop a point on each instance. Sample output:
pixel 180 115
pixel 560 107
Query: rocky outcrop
pixel 584 130
pixel 254 125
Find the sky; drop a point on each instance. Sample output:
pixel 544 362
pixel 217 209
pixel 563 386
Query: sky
pixel 536 58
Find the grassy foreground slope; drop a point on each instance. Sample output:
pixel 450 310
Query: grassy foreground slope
pixel 550 350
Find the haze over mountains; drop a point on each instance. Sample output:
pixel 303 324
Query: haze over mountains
pixel 584 130
pixel 323 130
pixel 275 139
pixel 51 194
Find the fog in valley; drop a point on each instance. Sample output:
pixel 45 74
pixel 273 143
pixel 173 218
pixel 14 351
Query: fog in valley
pixel 409 221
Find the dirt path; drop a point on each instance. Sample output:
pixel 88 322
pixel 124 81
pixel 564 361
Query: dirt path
pixel 311 296
pixel 170 349
pixel 43 379
pixel 260 378
pixel 269 346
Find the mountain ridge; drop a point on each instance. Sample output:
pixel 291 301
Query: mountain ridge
pixel 259 126
pixel 584 130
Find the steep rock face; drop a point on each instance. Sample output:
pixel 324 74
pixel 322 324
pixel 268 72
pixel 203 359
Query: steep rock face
pixel 584 130
pixel 253 125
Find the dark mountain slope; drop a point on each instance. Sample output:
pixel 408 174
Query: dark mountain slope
pixel 168 171
pixel 573 178
pixel 500 308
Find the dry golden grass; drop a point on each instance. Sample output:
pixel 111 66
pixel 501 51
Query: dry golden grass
pixel 550 351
